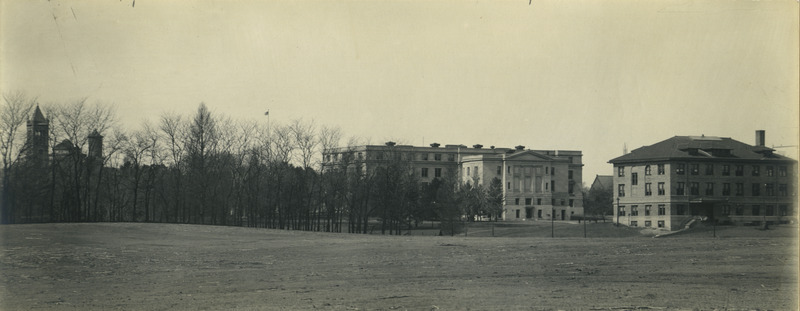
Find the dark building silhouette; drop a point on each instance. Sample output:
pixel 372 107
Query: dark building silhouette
pixel 95 145
pixel 38 137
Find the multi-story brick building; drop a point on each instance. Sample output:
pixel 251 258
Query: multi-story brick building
pixel 536 183
pixel 669 183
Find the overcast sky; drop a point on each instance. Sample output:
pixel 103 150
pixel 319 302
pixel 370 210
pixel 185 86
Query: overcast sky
pixel 577 75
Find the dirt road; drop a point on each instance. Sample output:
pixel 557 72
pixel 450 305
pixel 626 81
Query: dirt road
pixel 190 267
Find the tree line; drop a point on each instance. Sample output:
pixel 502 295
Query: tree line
pixel 206 168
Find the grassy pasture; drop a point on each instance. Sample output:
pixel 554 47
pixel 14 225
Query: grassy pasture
pixel 134 266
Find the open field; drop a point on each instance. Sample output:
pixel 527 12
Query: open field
pixel 133 266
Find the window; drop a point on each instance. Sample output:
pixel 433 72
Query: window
pixel 508 169
pixel 709 188
pixel 508 185
pixel 680 168
pixel 528 201
pixel 782 190
pixel 451 157
pixel 782 171
pixel 770 171
pixel 634 210
pixel 739 211
pixel 468 171
pixel 571 203
pixel 424 157
pixel 783 210
pixel 739 189
pixel 539 201
pixel 552 171
pixel 553 185
pixel 621 190
pixel 661 224
pixel 694 169
pixel 680 189
pixel 647 210
pixel 756 170
pixel 437 157
pixel 546 170
pixel 756 190
pixel 770 210
pixel 726 170
pixel 516 201
pixel 424 172
pixel 694 188
pixel 648 223
pixel 563 202
pixel 634 223
pixel 437 172
pixel 740 170
pixel 517 213
pixel 662 209
pixel 726 189
pixel 756 210
pixel 681 209
pixel 647 190
pixel 661 190
pixel 709 169
pixel 621 211
pixel 634 179
pixel 620 171
pixel 770 189
pixel 647 171
pixel 571 189
pixel 726 209
pixel 661 169
pixel 569 174
pixel 499 170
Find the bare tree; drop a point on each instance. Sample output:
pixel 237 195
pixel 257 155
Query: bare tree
pixel 13 114
pixel 175 131
pixel 74 122
pixel 202 143
pixel 304 134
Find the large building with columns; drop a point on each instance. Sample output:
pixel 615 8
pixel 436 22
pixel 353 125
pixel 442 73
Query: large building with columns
pixel 537 184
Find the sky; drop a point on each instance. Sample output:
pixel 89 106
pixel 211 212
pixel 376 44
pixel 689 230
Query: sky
pixel 594 76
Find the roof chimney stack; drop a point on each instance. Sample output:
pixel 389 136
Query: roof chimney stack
pixel 760 134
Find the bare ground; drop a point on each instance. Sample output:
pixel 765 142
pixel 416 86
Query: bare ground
pixel 122 266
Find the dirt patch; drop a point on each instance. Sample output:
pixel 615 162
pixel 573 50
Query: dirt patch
pixel 191 267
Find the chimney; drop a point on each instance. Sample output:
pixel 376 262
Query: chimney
pixel 760 138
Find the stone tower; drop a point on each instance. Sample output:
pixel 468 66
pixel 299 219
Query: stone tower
pixel 38 137
pixel 95 145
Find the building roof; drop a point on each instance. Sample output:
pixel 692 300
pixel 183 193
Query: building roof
pixel 95 134
pixel 64 145
pixel 603 181
pixel 699 148
pixel 38 116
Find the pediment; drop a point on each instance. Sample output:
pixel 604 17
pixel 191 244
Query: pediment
pixel 529 155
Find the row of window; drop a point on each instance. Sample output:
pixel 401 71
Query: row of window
pixel 694 169
pixel 547 186
pixel 528 202
pixel 437 172
pixel 755 170
pixel 755 210
pixel 529 170
pixel 662 210
pixel 694 189
pixel 647 223
pixel 647 170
